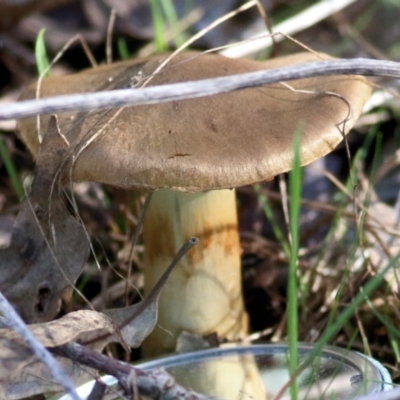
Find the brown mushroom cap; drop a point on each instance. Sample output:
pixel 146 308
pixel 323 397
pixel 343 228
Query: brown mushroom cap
pixel 216 142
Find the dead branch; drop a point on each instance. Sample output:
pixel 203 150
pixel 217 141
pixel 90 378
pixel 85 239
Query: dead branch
pixel 200 88
pixel 155 384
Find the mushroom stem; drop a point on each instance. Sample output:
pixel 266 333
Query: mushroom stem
pixel 203 294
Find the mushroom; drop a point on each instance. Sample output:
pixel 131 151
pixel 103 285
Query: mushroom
pixel 198 146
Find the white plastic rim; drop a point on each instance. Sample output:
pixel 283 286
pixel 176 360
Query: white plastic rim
pixel 370 369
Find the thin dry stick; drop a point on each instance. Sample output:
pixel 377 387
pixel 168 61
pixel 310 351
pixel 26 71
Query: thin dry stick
pixel 138 230
pixel 13 320
pixel 257 335
pixel 363 334
pixel 284 197
pixel 200 88
pixel 110 29
pixel 268 24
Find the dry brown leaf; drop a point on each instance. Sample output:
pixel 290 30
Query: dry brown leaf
pixel 141 325
pixel 22 375
pixel 48 247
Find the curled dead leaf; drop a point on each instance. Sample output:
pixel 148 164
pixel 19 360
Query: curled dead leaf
pixel 48 246
pixel 23 375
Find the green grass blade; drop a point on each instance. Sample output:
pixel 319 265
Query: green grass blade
pixel 343 318
pixel 158 26
pixel 295 180
pixel 123 50
pixel 385 322
pixel 42 61
pixel 348 312
pixel 11 170
pixel 173 21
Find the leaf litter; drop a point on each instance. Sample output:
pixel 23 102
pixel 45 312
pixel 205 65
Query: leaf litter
pixel 46 255
pixel 48 247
